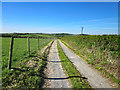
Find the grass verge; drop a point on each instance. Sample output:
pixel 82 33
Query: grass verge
pixel 106 74
pixel 77 80
pixel 27 74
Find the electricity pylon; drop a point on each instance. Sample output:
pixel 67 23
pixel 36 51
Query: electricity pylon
pixel 82 30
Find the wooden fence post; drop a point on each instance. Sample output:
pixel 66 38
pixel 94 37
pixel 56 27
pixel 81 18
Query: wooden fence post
pixel 38 43
pixel 10 53
pixel 43 41
pixel 28 40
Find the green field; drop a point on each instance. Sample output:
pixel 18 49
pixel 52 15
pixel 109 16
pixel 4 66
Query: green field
pixel 22 64
pixel 19 48
pixel 101 51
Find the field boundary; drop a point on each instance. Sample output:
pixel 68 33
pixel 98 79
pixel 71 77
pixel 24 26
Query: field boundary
pixel 104 74
pixel 44 49
pixel 29 37
pixel 92 74
pixel 28 47
pixel 29 72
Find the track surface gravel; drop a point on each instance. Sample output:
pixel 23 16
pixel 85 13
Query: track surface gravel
pixel 55 74
pixel 94 78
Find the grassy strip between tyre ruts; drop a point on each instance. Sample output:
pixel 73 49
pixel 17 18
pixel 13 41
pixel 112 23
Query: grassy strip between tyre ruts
pixel 28 74
pixel 77 80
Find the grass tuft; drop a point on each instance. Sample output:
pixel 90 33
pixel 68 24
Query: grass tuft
pixel 77 80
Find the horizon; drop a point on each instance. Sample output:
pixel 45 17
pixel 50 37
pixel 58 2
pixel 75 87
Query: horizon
pixel 97 18
pixel 59 33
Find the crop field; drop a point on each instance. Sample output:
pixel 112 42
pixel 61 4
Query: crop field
pixel 21 60
pixel 101 51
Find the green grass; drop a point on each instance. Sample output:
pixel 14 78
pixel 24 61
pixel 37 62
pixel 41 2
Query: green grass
pixel 19 49
pixel 98 67
pixel 71 70
pixel 28 74
pixel 27 71
pixel 100 51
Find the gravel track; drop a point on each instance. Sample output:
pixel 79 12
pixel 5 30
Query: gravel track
pixel 94 78
pixel 55 74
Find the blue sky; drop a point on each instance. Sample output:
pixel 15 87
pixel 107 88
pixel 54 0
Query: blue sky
pixel 52 17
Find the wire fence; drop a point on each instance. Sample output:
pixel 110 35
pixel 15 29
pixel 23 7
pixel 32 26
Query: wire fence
pixel 17 48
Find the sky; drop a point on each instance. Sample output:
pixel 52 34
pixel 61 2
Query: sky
pixel 58 17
